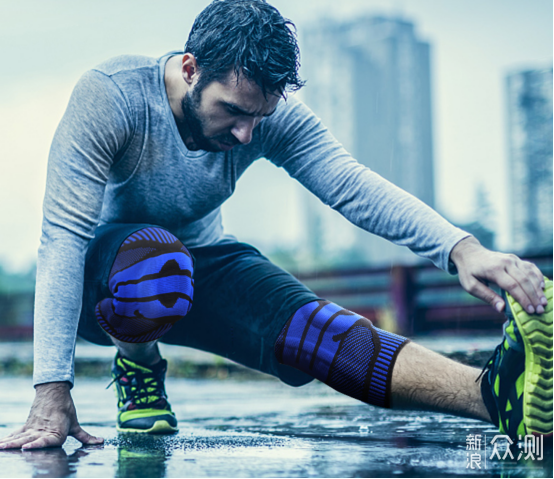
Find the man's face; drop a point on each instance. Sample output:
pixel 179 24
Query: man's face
pixel 224 114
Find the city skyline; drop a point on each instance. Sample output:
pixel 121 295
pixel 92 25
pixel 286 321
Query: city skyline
pixel 529 98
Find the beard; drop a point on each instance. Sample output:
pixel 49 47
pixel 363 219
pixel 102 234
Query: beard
pixel 190 105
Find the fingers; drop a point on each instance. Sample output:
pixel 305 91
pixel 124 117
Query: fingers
pixel 481 291
pixel 84 437
pixel 31 440
pixel 525 283
pixel 14 433
pixel 49 440
pixel 535 286
pixel 9 442
pixel 13 439
pixel 523 280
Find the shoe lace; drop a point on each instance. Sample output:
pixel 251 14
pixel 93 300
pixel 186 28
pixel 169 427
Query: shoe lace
pixel 145 387
pixel 511 342
pixel 490 362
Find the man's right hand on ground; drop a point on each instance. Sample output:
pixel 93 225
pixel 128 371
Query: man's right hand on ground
pixel 51 420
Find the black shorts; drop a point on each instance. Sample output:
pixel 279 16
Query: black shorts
pixel 241 301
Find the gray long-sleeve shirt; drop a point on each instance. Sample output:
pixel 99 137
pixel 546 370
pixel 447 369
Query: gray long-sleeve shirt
pixel 117 157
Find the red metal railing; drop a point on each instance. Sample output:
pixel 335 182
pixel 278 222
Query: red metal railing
pixel 409 299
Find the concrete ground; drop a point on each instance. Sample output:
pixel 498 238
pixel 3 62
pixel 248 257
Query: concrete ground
pixel 261 428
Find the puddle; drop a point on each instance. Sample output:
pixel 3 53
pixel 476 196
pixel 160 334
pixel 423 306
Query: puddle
pixel 261 429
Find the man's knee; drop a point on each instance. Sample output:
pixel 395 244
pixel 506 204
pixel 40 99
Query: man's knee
pixel 342 349
pixel 152 286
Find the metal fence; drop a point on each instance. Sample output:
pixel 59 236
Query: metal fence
pixel 410 299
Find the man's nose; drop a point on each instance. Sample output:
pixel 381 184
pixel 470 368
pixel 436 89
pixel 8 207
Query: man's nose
pixel 242 130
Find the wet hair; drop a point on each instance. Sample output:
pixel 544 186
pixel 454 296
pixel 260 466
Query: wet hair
pixel 249 37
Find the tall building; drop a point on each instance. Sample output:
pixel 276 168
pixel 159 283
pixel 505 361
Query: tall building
pixel 529 97
pixel 369 81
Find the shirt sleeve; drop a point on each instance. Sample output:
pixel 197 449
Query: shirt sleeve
pixel 95 127
pixel 295 139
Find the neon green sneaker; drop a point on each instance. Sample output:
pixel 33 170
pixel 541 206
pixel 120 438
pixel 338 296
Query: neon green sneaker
pixel 517 381
pixel 142 400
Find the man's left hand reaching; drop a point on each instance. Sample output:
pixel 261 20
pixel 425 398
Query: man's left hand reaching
pixel 477 266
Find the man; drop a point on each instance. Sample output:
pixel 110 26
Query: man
pixel 150 149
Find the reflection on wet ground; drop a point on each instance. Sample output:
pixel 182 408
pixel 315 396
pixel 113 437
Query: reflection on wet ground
pixel 264 429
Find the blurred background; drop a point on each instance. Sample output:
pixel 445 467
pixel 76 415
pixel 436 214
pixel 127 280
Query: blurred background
pixel 451 101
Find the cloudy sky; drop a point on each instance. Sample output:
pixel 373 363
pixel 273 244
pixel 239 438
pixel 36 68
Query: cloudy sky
pixel 45 45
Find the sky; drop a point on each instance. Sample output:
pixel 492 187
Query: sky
pixel 46 45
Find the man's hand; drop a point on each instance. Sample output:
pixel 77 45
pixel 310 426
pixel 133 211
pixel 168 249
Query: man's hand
pixel 477 266
pixel 51 420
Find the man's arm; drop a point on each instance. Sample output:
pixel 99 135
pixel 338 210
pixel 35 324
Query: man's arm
pixel 94 128
pixel 297 141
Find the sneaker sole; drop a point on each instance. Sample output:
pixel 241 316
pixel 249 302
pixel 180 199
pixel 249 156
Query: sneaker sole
pixel 159 427
pixel 536 332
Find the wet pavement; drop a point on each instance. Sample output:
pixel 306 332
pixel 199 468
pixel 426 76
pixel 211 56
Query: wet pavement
pixel 16 358
pixel 261 428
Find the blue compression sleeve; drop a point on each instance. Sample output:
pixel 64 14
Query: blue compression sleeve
pixel 342 349
pixel 151 281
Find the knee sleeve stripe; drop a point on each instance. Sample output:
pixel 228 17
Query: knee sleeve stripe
pixel 309 344
pixel 120 323
pixel 307 327
pixel 342 349
pixel 153 234
pixel 131 338
pixel 153 287
pixel 153 309
pixel 305 337
pixel 127 258
pixel 310 341
pixel 379 386
pixel 151 281
pixel 165 264
pixel 329 338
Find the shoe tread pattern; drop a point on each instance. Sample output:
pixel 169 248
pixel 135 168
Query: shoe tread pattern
pixel 536 331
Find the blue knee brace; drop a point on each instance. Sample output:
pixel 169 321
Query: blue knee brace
pixel 342 349
pixel 151 281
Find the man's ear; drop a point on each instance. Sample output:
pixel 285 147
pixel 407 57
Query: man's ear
pixel 189 68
